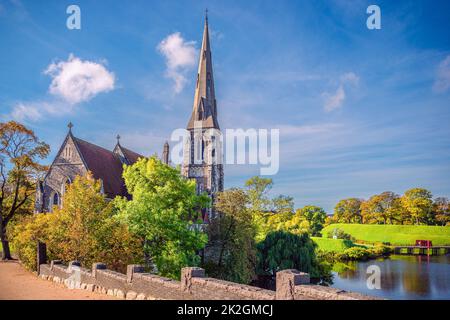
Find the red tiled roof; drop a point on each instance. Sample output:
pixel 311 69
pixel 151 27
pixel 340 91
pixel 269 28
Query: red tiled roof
pixel 104 165
pixel 131 156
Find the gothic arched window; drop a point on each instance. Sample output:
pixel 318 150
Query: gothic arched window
pixel 65 186
pixel 203 149
pixel 55 199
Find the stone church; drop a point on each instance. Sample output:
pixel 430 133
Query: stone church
pixel 202 152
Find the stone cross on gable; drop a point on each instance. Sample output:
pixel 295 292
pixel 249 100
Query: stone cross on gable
pixel 70 126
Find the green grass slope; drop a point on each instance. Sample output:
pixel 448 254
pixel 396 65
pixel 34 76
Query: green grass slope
pixel 394 234
pixel 328 245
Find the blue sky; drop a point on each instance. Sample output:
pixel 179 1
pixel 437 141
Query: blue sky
pixel 359 111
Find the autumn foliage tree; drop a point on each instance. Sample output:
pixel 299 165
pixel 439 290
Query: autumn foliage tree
pixel 20 150
pixel 415 207
pixel 348 211
pixel 418 204
pixel 441 210
pixel 384 208
pixel 85 229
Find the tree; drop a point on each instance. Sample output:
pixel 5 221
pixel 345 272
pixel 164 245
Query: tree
pixel 418 204
pixel 384 208
pixel 20 150
pixel 315 216
pixel 348 211
pixel 282 250
pixel 268 214
pixel 283 204
pixel 441 211
pixel 233 233
pixel 257 189
pixel 165 212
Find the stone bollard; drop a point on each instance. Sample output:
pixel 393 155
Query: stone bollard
pixel 286 282
pixel 54 262
pixel 97 266
pixel 132 269
pixel 41 256
pixel 187 274
pixel 73 265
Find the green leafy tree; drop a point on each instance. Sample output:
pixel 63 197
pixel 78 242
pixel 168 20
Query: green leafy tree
pixel 257 189
pixel 283 204
pixel 164 211
pixel 20 150
pixel 348 211
pixel 418 205
pixel 315 216
pixel 233 234
pixel 269 214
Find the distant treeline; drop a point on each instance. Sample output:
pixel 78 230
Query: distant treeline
pixel 415 207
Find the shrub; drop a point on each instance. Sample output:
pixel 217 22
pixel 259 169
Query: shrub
pixel 380 251
pixel 357 253
pixel 337 233
pixel 25 235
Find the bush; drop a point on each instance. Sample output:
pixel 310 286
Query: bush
pixel 25 235
pixel 357 253
pixel 337 233
pixel 378 251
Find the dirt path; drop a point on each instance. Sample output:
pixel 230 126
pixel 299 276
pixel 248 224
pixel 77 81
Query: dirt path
pixel 16 283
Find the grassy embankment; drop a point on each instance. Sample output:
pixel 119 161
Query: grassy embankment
pixel 393 234
pixel 332 245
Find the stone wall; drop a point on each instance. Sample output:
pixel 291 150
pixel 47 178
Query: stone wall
pixel 137 285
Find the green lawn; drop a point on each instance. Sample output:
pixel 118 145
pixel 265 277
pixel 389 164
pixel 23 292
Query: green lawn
pixel 394 234
pixel 336 245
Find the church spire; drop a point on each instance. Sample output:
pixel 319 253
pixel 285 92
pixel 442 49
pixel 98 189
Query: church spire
pixel 204 108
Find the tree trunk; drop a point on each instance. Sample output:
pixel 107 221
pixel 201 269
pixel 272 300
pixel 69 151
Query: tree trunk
pixel 5 244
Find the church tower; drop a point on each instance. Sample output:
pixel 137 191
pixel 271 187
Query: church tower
pixel 203 160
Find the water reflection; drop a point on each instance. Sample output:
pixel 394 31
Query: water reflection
pixel 402 277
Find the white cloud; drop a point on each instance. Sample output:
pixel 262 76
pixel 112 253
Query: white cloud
pixel 73 81
pixel 35 111
pixel 442 82
pixel 76 80
pixel 180 56
pixel 335 101
pixel 23 112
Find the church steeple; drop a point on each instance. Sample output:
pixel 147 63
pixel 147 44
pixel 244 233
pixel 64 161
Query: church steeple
pixel 202 156
pixel 205 108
